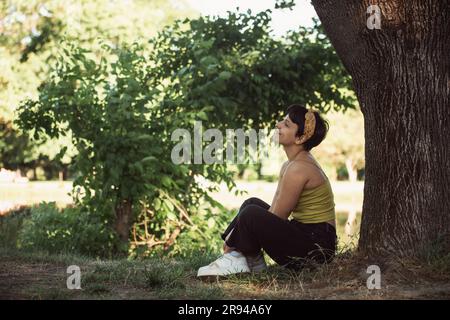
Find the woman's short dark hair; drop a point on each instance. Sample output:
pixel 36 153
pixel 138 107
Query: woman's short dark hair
pixel 297 114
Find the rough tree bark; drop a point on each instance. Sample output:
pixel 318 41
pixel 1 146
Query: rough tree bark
pixel 401 77
pixel 124 217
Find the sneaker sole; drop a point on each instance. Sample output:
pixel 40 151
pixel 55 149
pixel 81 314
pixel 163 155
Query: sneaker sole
pixel 216 278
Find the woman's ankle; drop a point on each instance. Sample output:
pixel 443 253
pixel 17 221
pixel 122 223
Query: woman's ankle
pixel 255 255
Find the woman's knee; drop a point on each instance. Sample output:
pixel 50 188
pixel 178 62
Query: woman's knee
pixel 251 211
pixel 256 201
pixel 252 200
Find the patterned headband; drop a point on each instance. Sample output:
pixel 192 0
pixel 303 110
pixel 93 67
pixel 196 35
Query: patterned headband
pixel 310 125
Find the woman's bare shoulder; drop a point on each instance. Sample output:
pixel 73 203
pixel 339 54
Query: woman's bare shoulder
pixel 283 167
pixel 305 168
pixel 296 166
pixel 312 170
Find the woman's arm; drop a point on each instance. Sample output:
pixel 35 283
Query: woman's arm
pixel 290 187
pixel 283 169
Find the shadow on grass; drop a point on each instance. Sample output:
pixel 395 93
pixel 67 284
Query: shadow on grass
pixel 38 275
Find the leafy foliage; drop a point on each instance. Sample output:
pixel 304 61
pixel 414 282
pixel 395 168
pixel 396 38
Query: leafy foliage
pixel 68 231
pixel 120 105
pixel 30 37
pixel 233 70
pixel 122 138
pixel 10 226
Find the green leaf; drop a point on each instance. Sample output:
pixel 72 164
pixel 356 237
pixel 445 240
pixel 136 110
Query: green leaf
pixel 202 115
pixel 157 203
pixel 168 204
pixel 144 137
pixel 171 216
pixel 225 75
pixel 166 181
pixel 60 154
pixel 139 168
pixel 148 159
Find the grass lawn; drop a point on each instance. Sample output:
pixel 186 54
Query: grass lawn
pixel 41 276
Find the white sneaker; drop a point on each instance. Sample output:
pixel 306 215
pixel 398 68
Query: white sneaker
pixel 229 263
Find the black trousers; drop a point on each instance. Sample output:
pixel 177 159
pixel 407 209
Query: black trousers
pixel 288 242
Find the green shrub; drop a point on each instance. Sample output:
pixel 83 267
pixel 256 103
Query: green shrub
pixel 70 230
pixel 10 226
pixel 201 234
pixel 205 236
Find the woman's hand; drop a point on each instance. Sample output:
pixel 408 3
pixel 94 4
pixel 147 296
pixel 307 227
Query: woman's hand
pixel 226 248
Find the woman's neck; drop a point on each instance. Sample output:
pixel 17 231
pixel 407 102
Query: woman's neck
pixel 293 151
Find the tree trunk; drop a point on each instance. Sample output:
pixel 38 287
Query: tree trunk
pixel 350 223
pixel 351 218
pixel 124 217
pixel 400 75
pixel 351 169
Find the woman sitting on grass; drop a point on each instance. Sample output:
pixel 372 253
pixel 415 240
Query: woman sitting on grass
pixel 303 194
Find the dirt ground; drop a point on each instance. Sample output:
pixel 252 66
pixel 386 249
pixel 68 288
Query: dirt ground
pixel 24 279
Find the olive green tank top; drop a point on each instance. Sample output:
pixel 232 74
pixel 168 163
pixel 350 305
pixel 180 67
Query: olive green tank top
pixel 315 205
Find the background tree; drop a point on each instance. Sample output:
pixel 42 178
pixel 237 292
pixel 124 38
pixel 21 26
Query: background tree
pixel 344 145
pixel 400 75
pixel 30 35
pixel 238 63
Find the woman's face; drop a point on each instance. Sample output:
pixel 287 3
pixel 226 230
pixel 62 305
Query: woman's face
pixel 286 131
